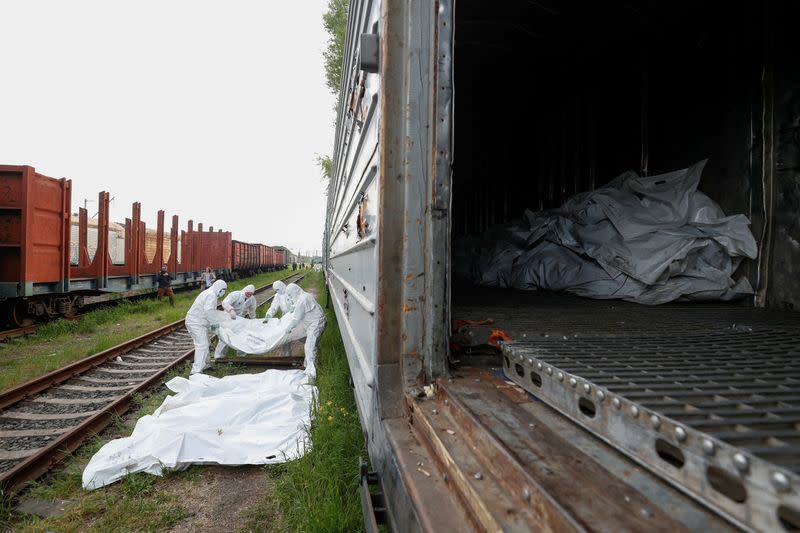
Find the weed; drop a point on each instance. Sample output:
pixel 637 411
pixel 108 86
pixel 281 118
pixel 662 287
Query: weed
pixel 319 491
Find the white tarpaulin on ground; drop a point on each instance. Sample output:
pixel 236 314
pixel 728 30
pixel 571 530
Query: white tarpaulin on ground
pixel 235 420
pixel 649 240
pixel 256 337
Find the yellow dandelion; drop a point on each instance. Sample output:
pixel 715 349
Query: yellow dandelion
pixel 330 418
pixel 329 402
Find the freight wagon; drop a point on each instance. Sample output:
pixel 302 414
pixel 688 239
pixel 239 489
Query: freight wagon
pixel 249 259
pixel 601 415
pixel 51 263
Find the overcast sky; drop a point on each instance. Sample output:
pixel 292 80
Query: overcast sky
pixel 213 111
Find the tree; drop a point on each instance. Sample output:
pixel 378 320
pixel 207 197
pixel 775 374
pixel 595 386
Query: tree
pixel 335 22
pixel 325 164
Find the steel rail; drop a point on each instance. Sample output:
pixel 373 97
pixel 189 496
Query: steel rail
pixel 41 461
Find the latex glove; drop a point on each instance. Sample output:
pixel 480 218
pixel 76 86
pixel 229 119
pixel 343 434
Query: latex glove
pixel 233 314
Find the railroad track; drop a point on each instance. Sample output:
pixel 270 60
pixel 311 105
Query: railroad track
pixel 45 419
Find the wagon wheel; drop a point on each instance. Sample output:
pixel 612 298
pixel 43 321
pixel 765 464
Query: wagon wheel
pixel 18 314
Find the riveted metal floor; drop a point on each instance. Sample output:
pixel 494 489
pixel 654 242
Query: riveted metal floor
pixel 706 396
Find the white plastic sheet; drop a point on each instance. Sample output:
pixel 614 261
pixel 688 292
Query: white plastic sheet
pixel 235 420
pixel 649 240
pixel 256 337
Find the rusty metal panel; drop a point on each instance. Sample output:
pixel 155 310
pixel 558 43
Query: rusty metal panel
pixel 34 231
pixel 379 225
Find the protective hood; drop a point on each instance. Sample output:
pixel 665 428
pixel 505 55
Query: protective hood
pixel 219 287
pixel 279 287
pixel 293 291
pixel 296 296
pixel 250 288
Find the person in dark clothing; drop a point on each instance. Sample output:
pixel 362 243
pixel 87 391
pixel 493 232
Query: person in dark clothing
pixel 164 286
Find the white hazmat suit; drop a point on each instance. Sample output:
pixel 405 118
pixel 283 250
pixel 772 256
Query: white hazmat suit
pixel 280 302
pixel 237 304
pixel 200 318
pixel 308 313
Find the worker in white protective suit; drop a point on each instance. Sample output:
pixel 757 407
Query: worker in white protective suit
pixel 306 311
pixel 201 317
pixel 237 304
pixel 280 302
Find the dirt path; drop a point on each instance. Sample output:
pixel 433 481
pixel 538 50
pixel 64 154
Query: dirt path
pixel 222 499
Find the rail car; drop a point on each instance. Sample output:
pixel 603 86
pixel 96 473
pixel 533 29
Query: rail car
pixel 53 262
pixel 596 415
pixel 248 259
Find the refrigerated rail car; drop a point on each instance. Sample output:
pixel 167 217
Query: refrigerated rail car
pixel 618 417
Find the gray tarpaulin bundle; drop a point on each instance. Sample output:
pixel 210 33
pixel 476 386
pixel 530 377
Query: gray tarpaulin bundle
pixel 649 240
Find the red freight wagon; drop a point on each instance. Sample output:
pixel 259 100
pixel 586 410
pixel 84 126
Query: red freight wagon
pixel 269 253
pixel 40 275
pixel 34 232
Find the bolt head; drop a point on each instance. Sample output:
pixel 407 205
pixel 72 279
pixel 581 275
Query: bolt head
pixel 680 434
pixel 601 396
pixel 709 448
pixel 616 403
pixel 781 482
pixel 530 362
pixel 549 371
pixel 560 376
pixel 520 358
pixel 586 388
pixel 573 382
pixel 478 476
pixel 634 411
pixel 538 366
pixel 740 462
pixel 655 421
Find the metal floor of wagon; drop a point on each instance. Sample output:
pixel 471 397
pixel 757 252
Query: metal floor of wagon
pixel 705 396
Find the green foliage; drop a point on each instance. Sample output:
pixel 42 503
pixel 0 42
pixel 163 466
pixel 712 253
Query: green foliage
pixel 335 22
pixel 319 492
pixel 325 164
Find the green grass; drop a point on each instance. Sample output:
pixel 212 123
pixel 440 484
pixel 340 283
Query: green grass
pixel 319 492
pixel 61 342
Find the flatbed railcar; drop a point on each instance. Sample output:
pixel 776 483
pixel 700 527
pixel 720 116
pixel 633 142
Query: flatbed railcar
pixel 53 262
pixel 598 415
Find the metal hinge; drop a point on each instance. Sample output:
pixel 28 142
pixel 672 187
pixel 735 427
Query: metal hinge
pixel 373 504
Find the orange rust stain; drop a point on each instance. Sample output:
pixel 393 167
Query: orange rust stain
pixel 409 308
pixel 497 336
